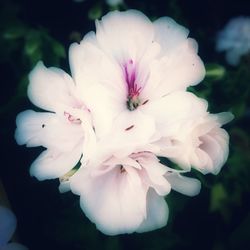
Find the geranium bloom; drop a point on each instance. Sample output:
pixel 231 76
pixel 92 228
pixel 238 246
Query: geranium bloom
pixel 7 229
pixel 125 105
pixel 125 195
pixel 235 39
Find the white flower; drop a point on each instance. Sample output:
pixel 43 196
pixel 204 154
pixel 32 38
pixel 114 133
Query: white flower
pixel 7 228
pixel 65 131
pixel 203 143
pixel 144 67
pixel 235 39
pixel 125 195
pixel 125 104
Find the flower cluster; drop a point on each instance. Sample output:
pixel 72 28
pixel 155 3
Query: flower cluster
pixel 235 39
pixel 125 106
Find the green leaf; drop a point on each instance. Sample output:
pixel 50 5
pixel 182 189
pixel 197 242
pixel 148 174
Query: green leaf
pixel 95 12
pixel 218 197
pixel 14 33
pixel 214 71
pixel 58 49
pixel 32 44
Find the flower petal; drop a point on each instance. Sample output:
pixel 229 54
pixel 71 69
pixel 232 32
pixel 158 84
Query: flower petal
pixel 169 34
pixel 115 201
pixel 157 213
pixel 51 88
pixel 85 59
pixel 177 70
pixel 131 130
pixel 47 130
pixel 133 34
pixel 172 110
pixel 7 225
pixel 52 164
pixel 182 184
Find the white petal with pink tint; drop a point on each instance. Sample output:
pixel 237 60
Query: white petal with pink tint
pixel 48 130
pixel 114 194
pixel 52 164
pixel 51 88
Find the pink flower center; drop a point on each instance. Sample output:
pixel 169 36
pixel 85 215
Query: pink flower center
pixel 133 87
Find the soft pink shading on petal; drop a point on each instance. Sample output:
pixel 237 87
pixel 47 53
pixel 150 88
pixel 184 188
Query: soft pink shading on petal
pixel 7 225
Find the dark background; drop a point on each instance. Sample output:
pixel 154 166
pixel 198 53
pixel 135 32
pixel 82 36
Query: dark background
pixel 218 218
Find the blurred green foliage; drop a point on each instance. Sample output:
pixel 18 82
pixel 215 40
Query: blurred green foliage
pixel 218 218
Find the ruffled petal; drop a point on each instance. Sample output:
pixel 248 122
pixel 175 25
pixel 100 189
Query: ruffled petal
pixel 157 213
pixel 51 89
pixel 52 164
pixel 7 225
pixel 154 174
